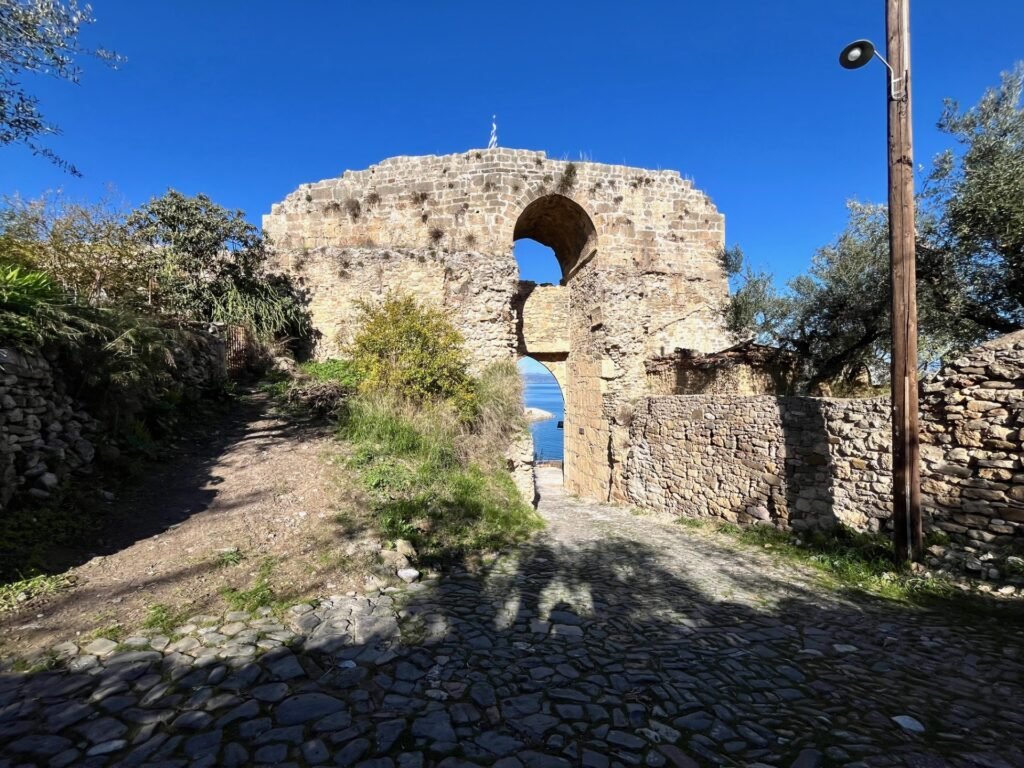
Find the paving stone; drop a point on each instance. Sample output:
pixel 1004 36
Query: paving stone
pixel 39 745
pixel 287 668
pixel 645 662
pixel 315 752
pixel 272 692
pixel 352 752
pixel 203 743
pixel 100 647
pixel 304 707
pixel 388 733
pixel 101 729
pixel 271 754
pixel 435 726
pixel 106 747
pixel 235 755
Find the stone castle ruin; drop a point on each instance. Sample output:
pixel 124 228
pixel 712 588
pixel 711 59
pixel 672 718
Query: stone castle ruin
pixel 638 251
pixel 662 410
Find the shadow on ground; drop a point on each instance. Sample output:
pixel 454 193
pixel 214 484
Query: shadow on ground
pixel 609 640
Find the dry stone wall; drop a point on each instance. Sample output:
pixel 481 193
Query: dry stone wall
pixel 797 462
pixel 972 483
pixel 46 436
pixel 638 251
pixel 803 463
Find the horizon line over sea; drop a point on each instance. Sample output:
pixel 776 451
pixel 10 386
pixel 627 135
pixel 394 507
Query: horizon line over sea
pixel 540 390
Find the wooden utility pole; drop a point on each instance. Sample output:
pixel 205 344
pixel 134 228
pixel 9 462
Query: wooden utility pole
pixel 906 451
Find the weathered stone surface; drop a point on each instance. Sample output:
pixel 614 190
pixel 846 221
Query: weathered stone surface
pixel 638 248
pixel 46 437
pixel 305 707
pixel 809 463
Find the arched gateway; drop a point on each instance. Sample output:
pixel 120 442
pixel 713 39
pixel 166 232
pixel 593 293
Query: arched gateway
pixel 638 251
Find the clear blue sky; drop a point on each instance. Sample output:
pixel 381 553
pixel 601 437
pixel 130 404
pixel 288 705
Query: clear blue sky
pixel 244 100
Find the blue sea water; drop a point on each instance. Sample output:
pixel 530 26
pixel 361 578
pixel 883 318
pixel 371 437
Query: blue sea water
pixel 541 391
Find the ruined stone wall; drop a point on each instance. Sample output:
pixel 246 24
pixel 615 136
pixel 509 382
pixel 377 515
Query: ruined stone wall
pixel 666 377
pixel 798 462
pixel 803 462
pixel 638 249
pixel 746 369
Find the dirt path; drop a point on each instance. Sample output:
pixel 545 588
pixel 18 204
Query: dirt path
pixel 252 481
pixel 609 639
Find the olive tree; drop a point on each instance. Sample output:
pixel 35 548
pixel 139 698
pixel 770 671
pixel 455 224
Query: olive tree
pixel 39 37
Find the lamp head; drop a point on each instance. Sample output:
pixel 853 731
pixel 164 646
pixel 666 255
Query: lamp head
pixel 857 54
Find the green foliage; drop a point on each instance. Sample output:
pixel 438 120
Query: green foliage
pixel 973 256
pixel 181 256
pixel 434 478
pixel 113 632
pixel 212 267
pixel 39 37
pixel 427 439
pixel 269 307
pixel 87 248
pixel 16 593
pixel 163 618
pixel 413 351
pixel 343 372
pixel 228 558
pixel 381 424
pixel 34 310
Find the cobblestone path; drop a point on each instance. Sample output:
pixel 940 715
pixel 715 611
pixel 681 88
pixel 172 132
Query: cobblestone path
pixel 610 640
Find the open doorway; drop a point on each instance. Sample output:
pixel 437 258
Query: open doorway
pixel 545 408
pixel 554 238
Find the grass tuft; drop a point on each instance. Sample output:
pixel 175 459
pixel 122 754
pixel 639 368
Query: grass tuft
pixel 228 558
pixel 163 618
pixel 258 595
pixel 14 594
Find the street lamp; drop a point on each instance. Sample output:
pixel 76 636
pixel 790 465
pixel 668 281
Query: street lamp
pixel 858 53
pixel 908 534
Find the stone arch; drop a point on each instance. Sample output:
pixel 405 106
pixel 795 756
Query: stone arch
pixel 638 250
pixel 563 225
pixel 556 369
pixel 553 365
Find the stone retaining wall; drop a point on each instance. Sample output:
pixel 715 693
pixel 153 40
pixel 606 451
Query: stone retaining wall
pixel 797 462
pixel 45 436
pixel 804 462
pixel 972 483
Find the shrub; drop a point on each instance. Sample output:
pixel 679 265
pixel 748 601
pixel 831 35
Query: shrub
pixel 428 440
pixel 33 309
pixel 412 351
